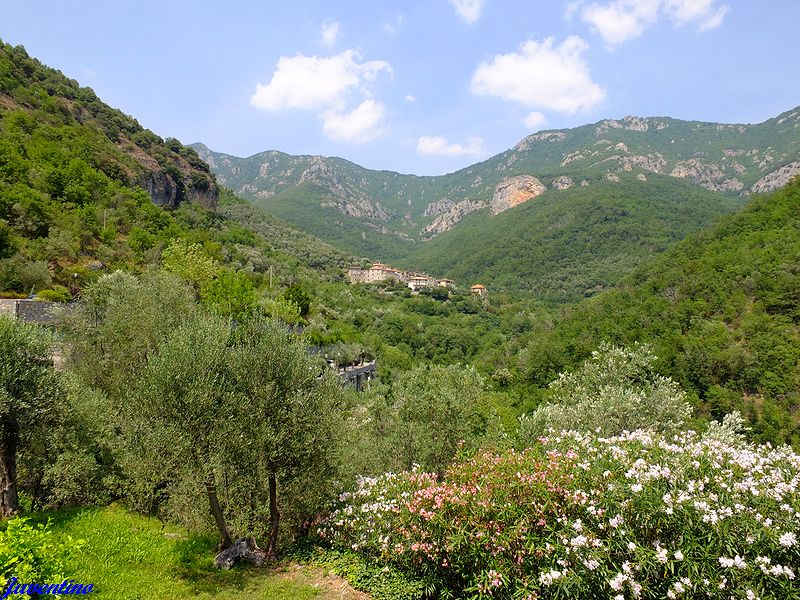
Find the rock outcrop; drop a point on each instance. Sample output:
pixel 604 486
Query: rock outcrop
pixel 562 183
pixel 777 179
pixel 450 216
pixel 515 191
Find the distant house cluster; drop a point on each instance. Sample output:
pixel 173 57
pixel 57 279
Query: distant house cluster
pixel 413 279
pixel 382 272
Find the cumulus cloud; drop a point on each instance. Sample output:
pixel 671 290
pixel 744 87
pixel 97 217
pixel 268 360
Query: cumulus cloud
pixel 535 120
pixel 324 85
pixel 411 98
pixel 362 124
pixel 329 32
pixel 621 20
pixel 311 82
pixel 435 145
pixel 541 75
pixel 469 10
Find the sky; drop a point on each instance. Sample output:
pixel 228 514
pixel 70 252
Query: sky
pixel 424 87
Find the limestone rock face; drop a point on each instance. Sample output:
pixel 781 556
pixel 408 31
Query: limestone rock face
pixel 449 216
pixel 562 183
pixel 515 191
pixel 708 175
pixel 776 179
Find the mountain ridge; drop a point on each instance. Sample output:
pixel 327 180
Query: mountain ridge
pixel 728 158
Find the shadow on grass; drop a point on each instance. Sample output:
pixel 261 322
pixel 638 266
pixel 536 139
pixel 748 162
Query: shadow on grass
pixel 195 566
pixel 59 518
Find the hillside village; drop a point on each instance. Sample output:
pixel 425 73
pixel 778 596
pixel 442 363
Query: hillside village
pixel 415 280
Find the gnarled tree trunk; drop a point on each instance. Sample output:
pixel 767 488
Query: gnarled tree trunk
pixel 9 502
pixel 216 510
pixel 274 518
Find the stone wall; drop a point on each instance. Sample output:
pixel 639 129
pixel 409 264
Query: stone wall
pixel 30 311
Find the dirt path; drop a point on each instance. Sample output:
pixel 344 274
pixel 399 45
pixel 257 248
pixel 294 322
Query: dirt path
pixel 331 587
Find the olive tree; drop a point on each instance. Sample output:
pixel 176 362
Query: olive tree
pixel 425 416
pixel 179 411
pixel 616 389
pixel 120 320
pixel 30 393
pixel 241 408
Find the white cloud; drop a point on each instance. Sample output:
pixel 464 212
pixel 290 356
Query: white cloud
pixel 327 85
pixel 410 98
pixel 541 75
pixel 621 20
pixel 312 82
pixel 714 20
pixel 618 21
pixel 362 124
pixel 393 27
pixel 535 120
pixel 469 10
pixel 328 33
pixel 435 145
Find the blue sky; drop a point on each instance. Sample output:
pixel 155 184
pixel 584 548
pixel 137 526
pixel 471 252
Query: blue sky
pixel 422 87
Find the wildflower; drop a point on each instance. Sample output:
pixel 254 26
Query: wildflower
pixel 788 539
pixel 549 577
pixel 618 581
pixel 678 555
pixel 591 564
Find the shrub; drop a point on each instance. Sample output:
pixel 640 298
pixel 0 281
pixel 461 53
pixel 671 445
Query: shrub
pixel 615 390
pixel 641 515
pixel 32 553
pixel 58 294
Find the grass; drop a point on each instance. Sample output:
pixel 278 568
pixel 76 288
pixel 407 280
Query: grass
pixel 132 557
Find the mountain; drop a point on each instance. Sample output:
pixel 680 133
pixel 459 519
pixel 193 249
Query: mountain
pixel 573 243
pixel 722 310
pixel 84 189
pixel 385 214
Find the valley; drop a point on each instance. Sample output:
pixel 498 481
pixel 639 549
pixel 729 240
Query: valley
pixel 569 370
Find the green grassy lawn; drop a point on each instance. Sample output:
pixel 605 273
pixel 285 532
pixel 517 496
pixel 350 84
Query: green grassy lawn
pixel 131 557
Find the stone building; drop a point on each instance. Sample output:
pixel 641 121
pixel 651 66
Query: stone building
pixel 382 272
pixel 479 290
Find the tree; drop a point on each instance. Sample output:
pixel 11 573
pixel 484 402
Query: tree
pixel 190 262
pixel 180 408
pixel 429 412
pixel 616 389
pixel 229 293
pixel 120 321
pixel 30 392
pixel 244 409
pixel 291 417
pixel 297 295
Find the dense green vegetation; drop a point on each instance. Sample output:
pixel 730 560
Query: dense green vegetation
pixel 195 387
pixel 73 201
pixel 720 310
pixel 570 244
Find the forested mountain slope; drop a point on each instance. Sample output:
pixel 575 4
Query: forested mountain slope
pixel 382 213
pixel 721 308
pixel 84 189
pixel 570 244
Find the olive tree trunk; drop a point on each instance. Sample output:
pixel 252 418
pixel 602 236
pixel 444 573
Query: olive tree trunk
pixel 216 510
pixel 9 502
pixel 274 518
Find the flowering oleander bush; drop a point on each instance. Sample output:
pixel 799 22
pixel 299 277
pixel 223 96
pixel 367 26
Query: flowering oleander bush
pixel 639 515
